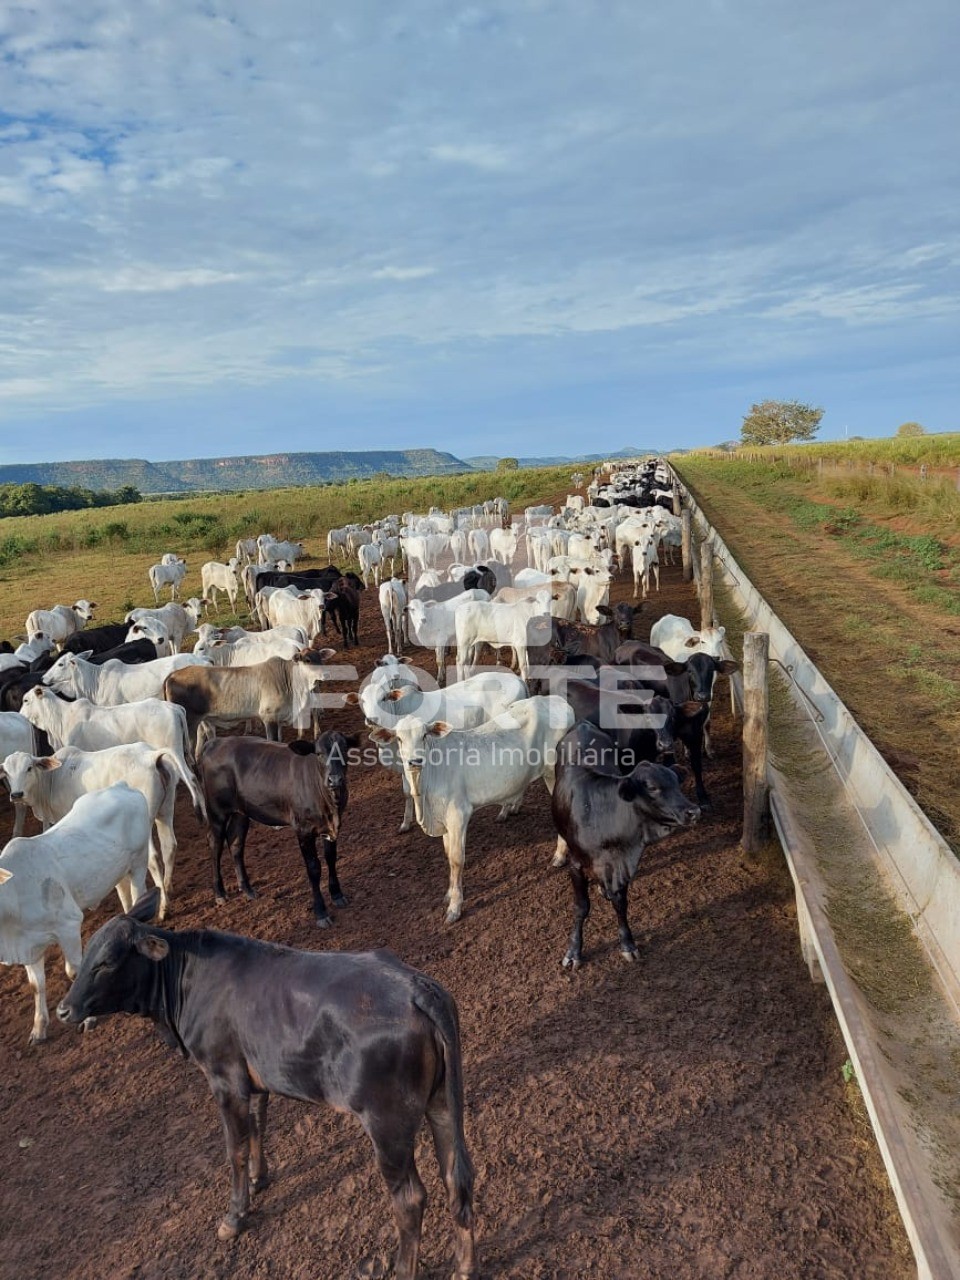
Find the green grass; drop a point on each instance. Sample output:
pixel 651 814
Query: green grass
pixel 937 450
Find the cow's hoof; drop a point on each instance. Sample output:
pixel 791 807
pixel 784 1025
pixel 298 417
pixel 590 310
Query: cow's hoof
pixel 324 922
pixel 559 860
pixel 628 955
pixel 258 1185
pixel 37 1037
pixel 571 962
pixel 88 1024
pixel 250 892
pixel 453 916
pixel 229 1228
pixel 219 899
pixel 341 900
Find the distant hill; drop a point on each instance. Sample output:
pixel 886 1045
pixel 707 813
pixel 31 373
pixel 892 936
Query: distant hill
pixel 269 471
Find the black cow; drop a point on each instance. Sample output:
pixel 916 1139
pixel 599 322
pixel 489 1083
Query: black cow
pixel 605 821
pixel 131 652
pixel 303 785
pixel 642 725
pixel 96 639
pixel 342 603
pixel 481 578
pixel 360 1031
pixel 578 638
pixel 689 685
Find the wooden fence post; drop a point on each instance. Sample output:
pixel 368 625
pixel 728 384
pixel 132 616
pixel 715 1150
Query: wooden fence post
pixel 686 544
pixel 756 647
pixel 706 585
pixel 676 498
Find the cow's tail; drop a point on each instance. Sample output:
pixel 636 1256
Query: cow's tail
pixel 173 770
pixel 190 773
pixel 438 1005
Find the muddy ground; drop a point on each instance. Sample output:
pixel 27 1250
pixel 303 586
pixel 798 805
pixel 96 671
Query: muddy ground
pixel 683 1117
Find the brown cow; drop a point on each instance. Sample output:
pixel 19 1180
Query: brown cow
pixel 303 785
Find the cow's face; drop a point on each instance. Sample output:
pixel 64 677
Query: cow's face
pixel 62 675
pixel 20 768
pixel 115 973
pixel 654 792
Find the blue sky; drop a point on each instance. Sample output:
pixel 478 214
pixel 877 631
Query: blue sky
pixel 538 226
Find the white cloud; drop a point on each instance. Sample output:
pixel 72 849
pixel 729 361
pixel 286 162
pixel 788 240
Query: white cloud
pixel 404 273
pixel 475 155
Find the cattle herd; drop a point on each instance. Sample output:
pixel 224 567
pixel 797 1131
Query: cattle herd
pixel 100 724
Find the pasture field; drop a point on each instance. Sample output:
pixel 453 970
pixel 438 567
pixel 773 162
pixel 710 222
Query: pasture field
pixel 869 582
pixel 940 450
pixel 682 1117
pixel 104 554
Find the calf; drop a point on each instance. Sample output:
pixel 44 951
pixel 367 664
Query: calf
pixel 48 881
pixel 215 576
pixel 360 1031
pixel 60 622
pixel 641 724
pixel 167 575
pixel 582 638
pixel 303 786
pixel 393 609
pixel 605 821
pixel 16 734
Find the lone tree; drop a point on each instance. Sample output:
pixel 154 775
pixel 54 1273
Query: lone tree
pixel 779 422
pixel 911 429
pixel 508 464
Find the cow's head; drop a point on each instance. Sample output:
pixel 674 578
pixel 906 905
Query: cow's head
pixel 20 767
pixel 63 673
pixel 116 973
pixel 654 792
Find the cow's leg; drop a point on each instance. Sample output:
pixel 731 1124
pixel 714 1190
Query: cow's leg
pixel 166 835
pixel 20 816
pixel 259 1177
pixel 409 814
pixel 308 847
pixel 394 1139
pixel 455 846
pixel 628 946
pixel 41 1018
pixel 581 909
pixel 124 889
pixel 272 730
pixel 330 858
pixel 216 834
pixel 158 878
pixel 238 824
pixel 560 854
pixel 694 744
pixel 235 1115
pixel 459 1189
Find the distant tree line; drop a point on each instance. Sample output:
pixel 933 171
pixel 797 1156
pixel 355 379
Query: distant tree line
pixel 42 499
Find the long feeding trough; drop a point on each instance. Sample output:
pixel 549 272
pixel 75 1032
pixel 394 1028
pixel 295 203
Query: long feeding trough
pixel 878 904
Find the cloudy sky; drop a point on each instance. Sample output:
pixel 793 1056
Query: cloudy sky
pixel 535 226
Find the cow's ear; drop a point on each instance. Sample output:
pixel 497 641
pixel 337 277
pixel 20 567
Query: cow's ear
pixel 324 655
pixel 48 762
pixel 439 728
pixel 675 668
pixel 691 708
pixel 692 642
pixel 351 699
pixel 726 666
pixel 605 610
pixel 352 741
pixel 381 735
pixel 145 908
pixel 5 875
pixel 394 695
pixel 154 948
pixel 628 789
pixel 721 632
pixel 301 747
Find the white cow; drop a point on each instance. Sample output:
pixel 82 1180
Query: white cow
pixel 644 558
pixel 60 622
pixel 215 576
pixel 250 652
pixel 503 545
pixel 167 575
pixel 115 683
pixel 175 621
pixel 502 626
pixel 290 607
pixel 270 548
pixel 25 653
pixel 16 734
pixel 432 623
pixel 48 881
pixel 80 724
pixel 52 785
pixel 679 639
pixel 393 608
pixel 453 772
pixel 246 550
pixel 371 560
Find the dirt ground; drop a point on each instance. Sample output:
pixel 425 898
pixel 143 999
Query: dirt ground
pixel 683 1117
